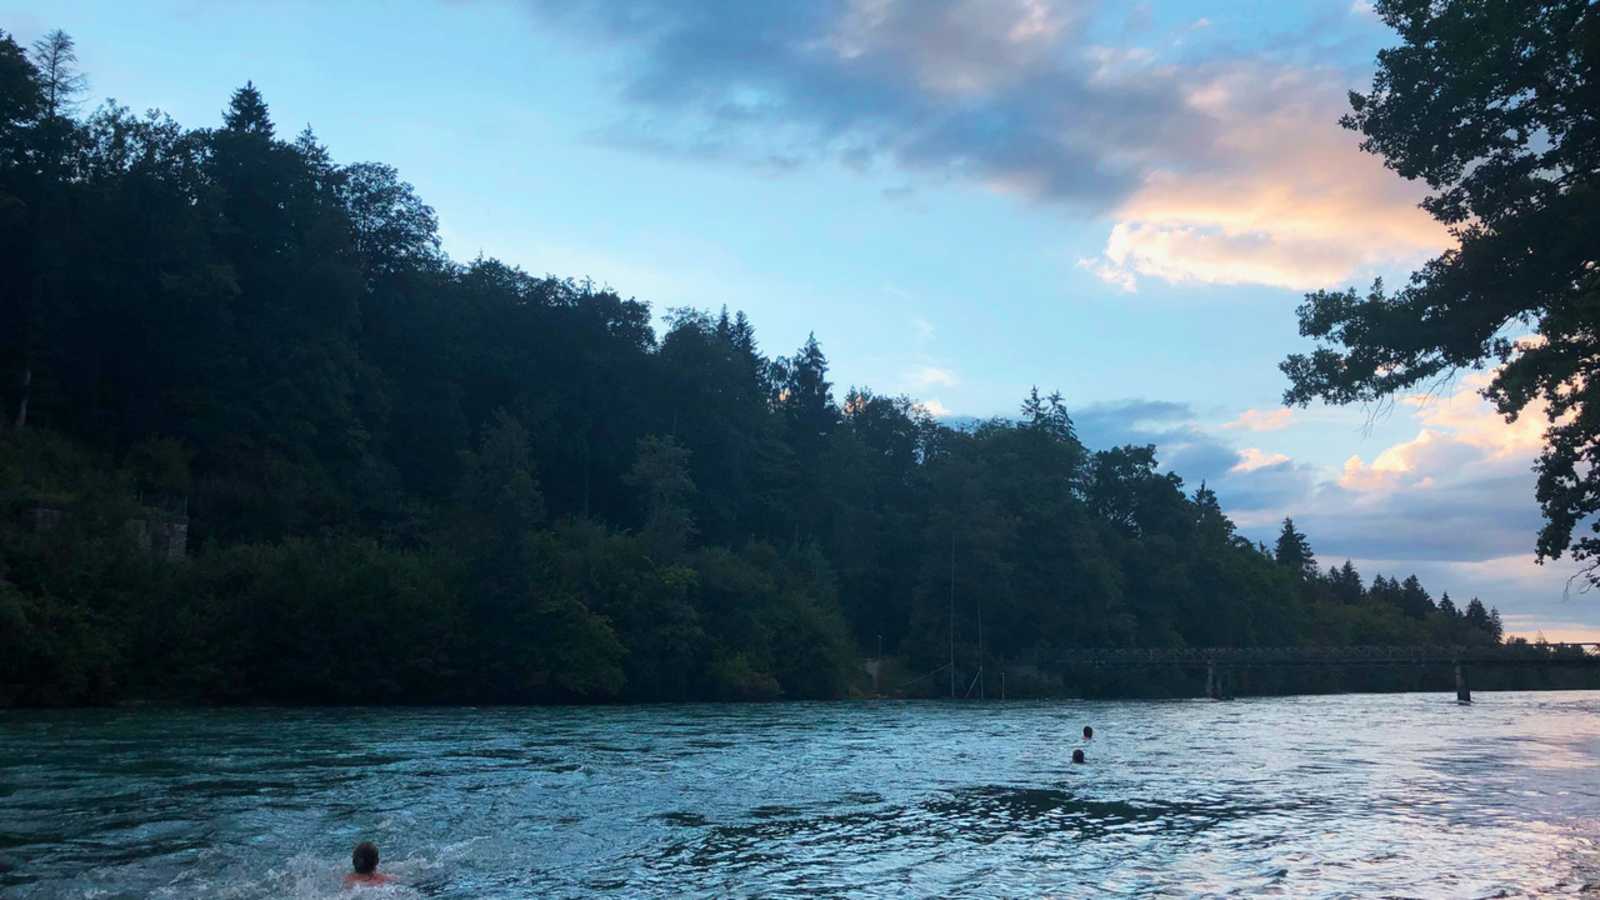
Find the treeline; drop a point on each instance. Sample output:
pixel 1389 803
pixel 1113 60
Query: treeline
pixel 407 479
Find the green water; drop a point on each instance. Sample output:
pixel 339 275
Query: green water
pixel 1408 795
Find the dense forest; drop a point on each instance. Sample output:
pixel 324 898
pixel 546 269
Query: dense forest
pixel 262 441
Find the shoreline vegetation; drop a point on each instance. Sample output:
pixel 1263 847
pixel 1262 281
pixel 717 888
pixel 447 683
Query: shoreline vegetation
pixel 261 441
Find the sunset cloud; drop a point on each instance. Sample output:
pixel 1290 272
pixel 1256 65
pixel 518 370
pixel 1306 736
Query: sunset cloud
pixel 1217 171
pixel 1459 429
pixel 1286 199
pixel 1262 420
pixel 1251 458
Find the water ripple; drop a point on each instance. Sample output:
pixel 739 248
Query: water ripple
pixel 1407 795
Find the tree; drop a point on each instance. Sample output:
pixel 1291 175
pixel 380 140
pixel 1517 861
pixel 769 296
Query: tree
pixel 55 56
pixel 498 504
pixel 247 112
pixel 1293 552
pixel 21 97
pixel 504 488
pixel 661 474
pixel 808 398
pixel 1414 599
pixel 1346 583
pixel 1495 105
pixel 1479 619
pixel 393 230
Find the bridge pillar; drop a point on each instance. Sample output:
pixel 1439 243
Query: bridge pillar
pixel 1216 681
pixel 1463 693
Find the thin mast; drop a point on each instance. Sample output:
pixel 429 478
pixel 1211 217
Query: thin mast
pixel 952 614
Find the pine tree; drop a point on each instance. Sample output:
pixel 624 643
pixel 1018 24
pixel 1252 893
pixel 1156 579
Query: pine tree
pixel 1346 582
pixel 1293 552
pixel 1212 524
pixel 1478 619
pixel 247 112
pixel 1414 599
pixel 808 399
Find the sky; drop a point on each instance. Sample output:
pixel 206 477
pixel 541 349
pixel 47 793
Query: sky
pixel 1121 201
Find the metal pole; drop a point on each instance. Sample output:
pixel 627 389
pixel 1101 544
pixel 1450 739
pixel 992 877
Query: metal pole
pixel 981 682
pixel 952 614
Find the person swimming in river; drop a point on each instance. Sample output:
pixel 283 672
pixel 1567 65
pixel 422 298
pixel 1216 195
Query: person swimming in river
pixel 364 859
pixel 1077 756
pixel 1088 733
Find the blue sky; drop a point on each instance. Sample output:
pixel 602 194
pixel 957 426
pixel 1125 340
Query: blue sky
pixel 962 199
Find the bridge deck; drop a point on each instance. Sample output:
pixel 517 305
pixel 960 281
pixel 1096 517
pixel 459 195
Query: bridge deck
pixel 1519 654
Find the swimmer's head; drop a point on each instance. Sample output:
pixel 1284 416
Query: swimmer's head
pixel 365 858
pixel 1077 756
pixel 1087 732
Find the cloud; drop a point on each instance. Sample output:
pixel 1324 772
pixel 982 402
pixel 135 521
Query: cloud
pixel 1471 420
pixel 1217 169
pixel 934 408
pixel 1460 432
pixel 922 329
pixel 1002 93
pixel 1460 490
pixel 1111 273
pixel 1262 420
pixel 1194 453
pixel 1284 197
pixel 1453 504
pixel 931 376
pixel 1252 458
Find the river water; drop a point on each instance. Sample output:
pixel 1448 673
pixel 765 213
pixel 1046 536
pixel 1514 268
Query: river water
pixel 1394 795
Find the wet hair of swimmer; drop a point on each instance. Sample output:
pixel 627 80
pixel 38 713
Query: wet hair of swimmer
pixel 365 858
pixel 1087 732
pixel 1077 756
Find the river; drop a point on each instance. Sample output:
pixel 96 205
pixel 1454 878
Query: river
pixel 1408 795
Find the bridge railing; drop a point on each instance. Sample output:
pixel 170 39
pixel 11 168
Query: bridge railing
pixel 1558 653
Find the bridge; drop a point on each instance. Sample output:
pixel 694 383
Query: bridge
pixel 1217 661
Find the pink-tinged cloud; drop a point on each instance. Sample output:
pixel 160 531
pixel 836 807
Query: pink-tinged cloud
pixel 1458 428
pixel 1251 459
pixel 1262 420
pixel 1534 629
pixel 1230 170
pixel 1283 196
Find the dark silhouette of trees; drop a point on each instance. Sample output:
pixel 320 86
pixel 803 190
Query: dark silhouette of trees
pixel 1293 551
pixel 1496 106
pixel 412 479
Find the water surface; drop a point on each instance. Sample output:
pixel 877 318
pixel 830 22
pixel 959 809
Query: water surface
pixel 1396 795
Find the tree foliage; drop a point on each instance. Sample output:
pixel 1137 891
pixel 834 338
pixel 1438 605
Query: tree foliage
pixel 412 479
pixel 1495 105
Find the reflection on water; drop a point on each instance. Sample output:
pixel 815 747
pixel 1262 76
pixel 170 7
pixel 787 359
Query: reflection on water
pixel 1361 795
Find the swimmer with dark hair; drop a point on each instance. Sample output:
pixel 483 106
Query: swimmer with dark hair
pixel 1077 756
pixel 1088 733
pixel 364 859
